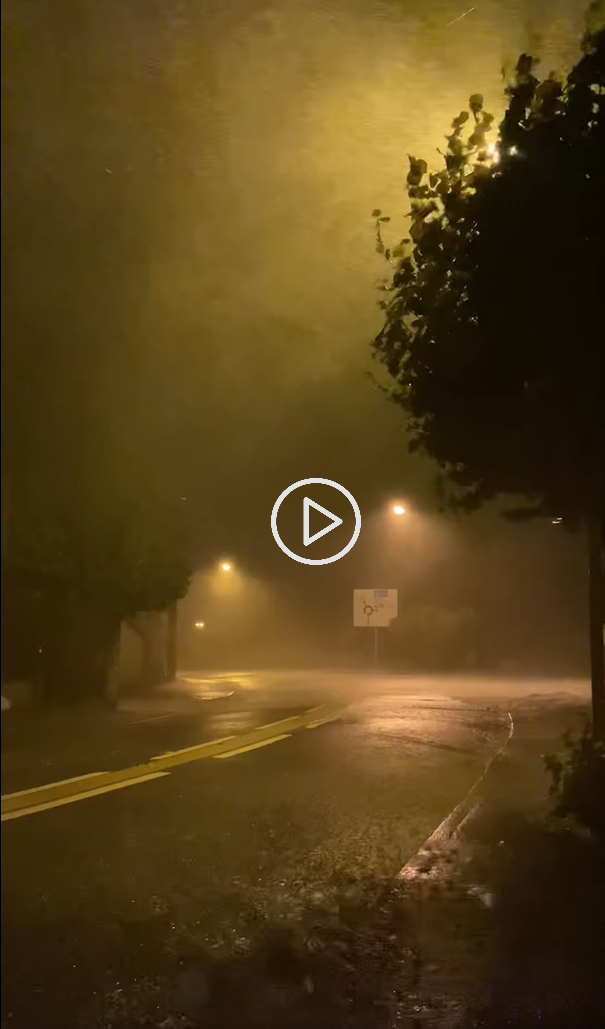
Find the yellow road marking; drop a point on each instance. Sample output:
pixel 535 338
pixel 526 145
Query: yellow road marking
pixel 59 782
pixel 41 798
pixel 72 787
pixel 154 718
pixel 33 809
pixel 252 746
pixel 320 721
pixel 190 753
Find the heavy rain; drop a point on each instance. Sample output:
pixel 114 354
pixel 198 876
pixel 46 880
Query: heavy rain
pixel 302 513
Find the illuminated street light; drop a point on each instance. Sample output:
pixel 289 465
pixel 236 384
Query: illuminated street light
pixel 225 567
pixel 398 509
pixel 200 625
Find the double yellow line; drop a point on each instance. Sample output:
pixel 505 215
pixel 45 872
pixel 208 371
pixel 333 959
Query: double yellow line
pixel 55 794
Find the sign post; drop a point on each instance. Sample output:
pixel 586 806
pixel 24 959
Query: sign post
pixel 373 609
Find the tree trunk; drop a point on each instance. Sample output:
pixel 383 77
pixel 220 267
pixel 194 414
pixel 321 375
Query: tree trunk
pixel 111 692
pixel 171 643
pixel 79 652
pixel 149 628
pixel 6 513
pixel 148 670
pixel 596 595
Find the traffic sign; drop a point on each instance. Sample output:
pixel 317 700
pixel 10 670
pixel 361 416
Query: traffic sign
pixel 374 608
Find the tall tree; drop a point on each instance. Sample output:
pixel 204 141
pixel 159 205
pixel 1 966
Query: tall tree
pixel 494 316
pixel 95 551
pixel 100 389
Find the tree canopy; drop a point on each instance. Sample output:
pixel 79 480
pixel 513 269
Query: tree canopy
pixel 494 316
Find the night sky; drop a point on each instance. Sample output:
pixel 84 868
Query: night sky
pixel 188 259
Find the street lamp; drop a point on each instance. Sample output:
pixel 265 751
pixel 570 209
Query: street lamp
pixel 225 566
pixel 398 510
pixel 200 625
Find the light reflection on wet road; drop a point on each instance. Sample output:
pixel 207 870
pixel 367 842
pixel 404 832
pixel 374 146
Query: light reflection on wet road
pixel 114 888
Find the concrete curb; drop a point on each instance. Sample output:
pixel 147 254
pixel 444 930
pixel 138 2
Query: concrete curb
pixel 421 864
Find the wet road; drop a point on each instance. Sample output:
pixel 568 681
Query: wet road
pixel 105 898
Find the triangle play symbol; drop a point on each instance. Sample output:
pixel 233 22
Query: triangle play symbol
pixel 335 521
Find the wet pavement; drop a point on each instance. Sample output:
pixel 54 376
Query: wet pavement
pixel 105 898
pixel 78 744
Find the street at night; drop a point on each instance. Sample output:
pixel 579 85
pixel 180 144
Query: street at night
pixel 105 897
pixel 303 514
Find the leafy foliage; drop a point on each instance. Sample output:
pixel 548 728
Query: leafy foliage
pixel 578 780
pixel 119 543
pixel 95 521
pixel 494 317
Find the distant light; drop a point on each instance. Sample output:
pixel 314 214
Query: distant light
pixel 226 567
pixel 557 521
pixel 398 509
pixel 200 625
pixel 493 153
pixel 513 150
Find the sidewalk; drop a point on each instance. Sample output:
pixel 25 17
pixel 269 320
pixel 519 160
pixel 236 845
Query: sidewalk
pixel 510 920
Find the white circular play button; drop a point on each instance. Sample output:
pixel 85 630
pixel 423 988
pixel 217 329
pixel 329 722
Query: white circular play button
pixel 334 522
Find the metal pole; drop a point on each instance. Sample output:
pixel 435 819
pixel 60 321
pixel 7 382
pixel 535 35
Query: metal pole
pixel 171 642
pixel 375 644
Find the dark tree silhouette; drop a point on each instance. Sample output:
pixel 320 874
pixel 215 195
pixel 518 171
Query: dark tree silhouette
pixel 494 317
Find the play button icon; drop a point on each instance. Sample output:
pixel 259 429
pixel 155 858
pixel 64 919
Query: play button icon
pixel 334 521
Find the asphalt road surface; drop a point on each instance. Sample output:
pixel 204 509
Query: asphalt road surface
pixel 320 782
